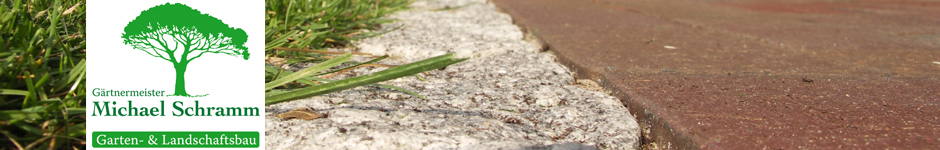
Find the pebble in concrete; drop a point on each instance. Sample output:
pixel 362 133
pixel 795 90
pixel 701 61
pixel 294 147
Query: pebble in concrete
pixel 508 96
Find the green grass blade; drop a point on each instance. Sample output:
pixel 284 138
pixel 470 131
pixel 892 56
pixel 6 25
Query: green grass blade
pixel 41 47
pixel 77 70
pixel 388 74
pixel 13 92
pixel 77 130
pixel 382 85
pixel 39 86
pixel 400 89
pixel 307 72
pixel 18 115
pixel 79 81
pixel 31 90
pixel 29 128
pixel 357 65
pixel 280 41
pixel 271 72
pixel 75 111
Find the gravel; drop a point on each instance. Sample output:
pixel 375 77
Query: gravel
pixel 507 96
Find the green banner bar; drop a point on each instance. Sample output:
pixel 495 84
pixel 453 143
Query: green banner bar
pixel 175 139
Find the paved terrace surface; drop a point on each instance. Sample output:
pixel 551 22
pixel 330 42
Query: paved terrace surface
pixel 756 74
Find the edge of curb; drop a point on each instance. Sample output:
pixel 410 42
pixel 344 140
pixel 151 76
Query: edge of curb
pixel 654 128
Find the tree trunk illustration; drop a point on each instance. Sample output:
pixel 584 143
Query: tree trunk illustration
pixel 180 89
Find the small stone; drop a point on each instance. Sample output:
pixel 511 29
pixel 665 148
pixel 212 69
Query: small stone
pixel 547 102
pixel 393 95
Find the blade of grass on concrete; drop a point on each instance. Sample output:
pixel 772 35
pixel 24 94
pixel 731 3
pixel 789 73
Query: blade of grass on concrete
pixel 307 72
pixel 388 74
pixel 311 80
pixel 354 66
pixel 381 85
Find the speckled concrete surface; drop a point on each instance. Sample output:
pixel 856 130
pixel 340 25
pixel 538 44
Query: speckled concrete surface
pixel 507 96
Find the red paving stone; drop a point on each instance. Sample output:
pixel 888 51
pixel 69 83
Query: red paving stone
pixel 756 74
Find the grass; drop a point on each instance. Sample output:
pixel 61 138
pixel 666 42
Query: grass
pixel 42 72
pixel 297 30
pixel 42 69
pixel 277 96
pixel 319 24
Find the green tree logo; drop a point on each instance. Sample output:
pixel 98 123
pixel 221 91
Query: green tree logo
pixel 179 34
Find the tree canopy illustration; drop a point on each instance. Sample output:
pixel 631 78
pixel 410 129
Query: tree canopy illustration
pixel 179 34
